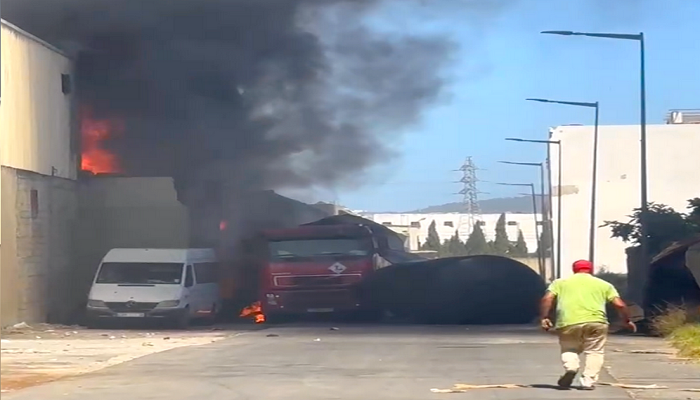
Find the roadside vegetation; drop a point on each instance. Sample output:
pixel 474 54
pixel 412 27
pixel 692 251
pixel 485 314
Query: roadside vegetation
pixel 680 325
pixel 476 243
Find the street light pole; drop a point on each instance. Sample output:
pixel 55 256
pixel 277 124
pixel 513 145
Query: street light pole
pixel 592 227
pixel 559 205
pixel 643 218
pixel 543 201
pixel 594 188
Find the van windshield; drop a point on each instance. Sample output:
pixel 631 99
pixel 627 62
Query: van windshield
pixel 130 273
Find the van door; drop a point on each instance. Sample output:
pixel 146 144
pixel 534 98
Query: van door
pixel 190 293
pixel 206 274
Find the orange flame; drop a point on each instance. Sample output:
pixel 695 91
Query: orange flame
pixel 95 158
pixel 255 310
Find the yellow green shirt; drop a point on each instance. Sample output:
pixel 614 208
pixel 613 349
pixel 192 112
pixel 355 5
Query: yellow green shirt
pixel 582 298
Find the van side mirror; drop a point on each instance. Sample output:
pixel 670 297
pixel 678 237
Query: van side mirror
pixel 189 277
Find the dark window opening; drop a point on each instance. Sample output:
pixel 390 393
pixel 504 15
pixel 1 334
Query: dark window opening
pixel 449 223
pixel 206 272
pixel 512 223
pixel 34 203
pixel 415 224
pixel 66 84
pixel 386 223
pixel 189 277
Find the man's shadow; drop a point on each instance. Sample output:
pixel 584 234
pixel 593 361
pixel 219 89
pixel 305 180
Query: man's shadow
pixel 553 387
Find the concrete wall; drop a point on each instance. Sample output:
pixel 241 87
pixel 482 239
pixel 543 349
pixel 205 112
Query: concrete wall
pixel 36 116
pixel 38 154
pixel 125 212
pixel 673 164
pixel 37 257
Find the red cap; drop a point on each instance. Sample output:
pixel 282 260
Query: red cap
pixel 583 266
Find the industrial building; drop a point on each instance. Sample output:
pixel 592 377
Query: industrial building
pixel 57 223
pixel 38 153
pixel 673 168
pixel 416 225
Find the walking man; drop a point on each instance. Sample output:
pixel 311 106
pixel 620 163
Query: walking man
pixel 581 321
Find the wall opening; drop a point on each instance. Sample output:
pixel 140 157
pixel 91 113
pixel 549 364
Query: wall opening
pixel 34 203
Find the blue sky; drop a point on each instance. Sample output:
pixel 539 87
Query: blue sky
pixel 503 59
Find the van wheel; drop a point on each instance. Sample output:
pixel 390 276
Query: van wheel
pixel 183 322
pixel 211 319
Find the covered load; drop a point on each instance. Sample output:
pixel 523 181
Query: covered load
pixel 458 290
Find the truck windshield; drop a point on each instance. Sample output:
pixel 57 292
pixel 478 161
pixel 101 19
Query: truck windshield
pixel 310 248
pixel 130 273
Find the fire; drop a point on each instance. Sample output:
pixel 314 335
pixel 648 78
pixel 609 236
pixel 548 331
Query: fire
pixel 95 157
pixel 254 309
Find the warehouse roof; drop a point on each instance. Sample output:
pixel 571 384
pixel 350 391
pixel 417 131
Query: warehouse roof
pixel 28 35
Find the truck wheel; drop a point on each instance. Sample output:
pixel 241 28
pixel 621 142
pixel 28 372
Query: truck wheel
pixel 184 320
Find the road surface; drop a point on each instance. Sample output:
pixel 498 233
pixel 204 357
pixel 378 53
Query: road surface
pixel 381 362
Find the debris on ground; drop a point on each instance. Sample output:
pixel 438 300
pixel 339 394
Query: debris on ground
pixel 629 386
pixel 463 388
pixel 29 359
pixel 665 352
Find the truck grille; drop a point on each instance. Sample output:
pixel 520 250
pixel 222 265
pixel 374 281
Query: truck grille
pixel 317 280
pixel 301 300
pixel 131 306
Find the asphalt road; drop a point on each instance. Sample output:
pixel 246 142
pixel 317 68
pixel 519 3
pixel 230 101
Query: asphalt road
pixel 310 362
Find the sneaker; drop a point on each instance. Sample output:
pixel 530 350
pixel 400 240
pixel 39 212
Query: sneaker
pixel 567 379
pixel 587 383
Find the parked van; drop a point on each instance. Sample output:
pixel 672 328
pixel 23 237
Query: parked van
pixel 177 285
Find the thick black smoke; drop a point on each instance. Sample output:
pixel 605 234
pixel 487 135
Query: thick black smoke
pixel 267 93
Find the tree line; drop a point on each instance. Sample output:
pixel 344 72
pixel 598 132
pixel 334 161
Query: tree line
pixel 665 226
pixel 476 243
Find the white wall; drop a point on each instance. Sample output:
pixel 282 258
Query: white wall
pixel 524 222
pixel 35 115
pixel 673 178
pixel 38 209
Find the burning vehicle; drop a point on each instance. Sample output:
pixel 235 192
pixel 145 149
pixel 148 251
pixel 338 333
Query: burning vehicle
pixel 317 267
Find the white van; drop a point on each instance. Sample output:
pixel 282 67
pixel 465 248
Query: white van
pixel 173 284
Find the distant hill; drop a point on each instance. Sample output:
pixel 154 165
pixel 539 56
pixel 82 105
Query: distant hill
pixel 522 204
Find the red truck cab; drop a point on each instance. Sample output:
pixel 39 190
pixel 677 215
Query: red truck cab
pixel 315 269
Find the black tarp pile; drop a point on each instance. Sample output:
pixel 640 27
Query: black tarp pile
pixel 457 290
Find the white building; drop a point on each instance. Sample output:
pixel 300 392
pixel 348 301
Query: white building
pixel 38 154
pixel 673 178
pixel 448 223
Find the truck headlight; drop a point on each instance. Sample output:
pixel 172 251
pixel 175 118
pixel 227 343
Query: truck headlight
pixel 169 304
pixel 96 304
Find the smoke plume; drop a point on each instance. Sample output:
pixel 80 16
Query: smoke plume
pixel 268 93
